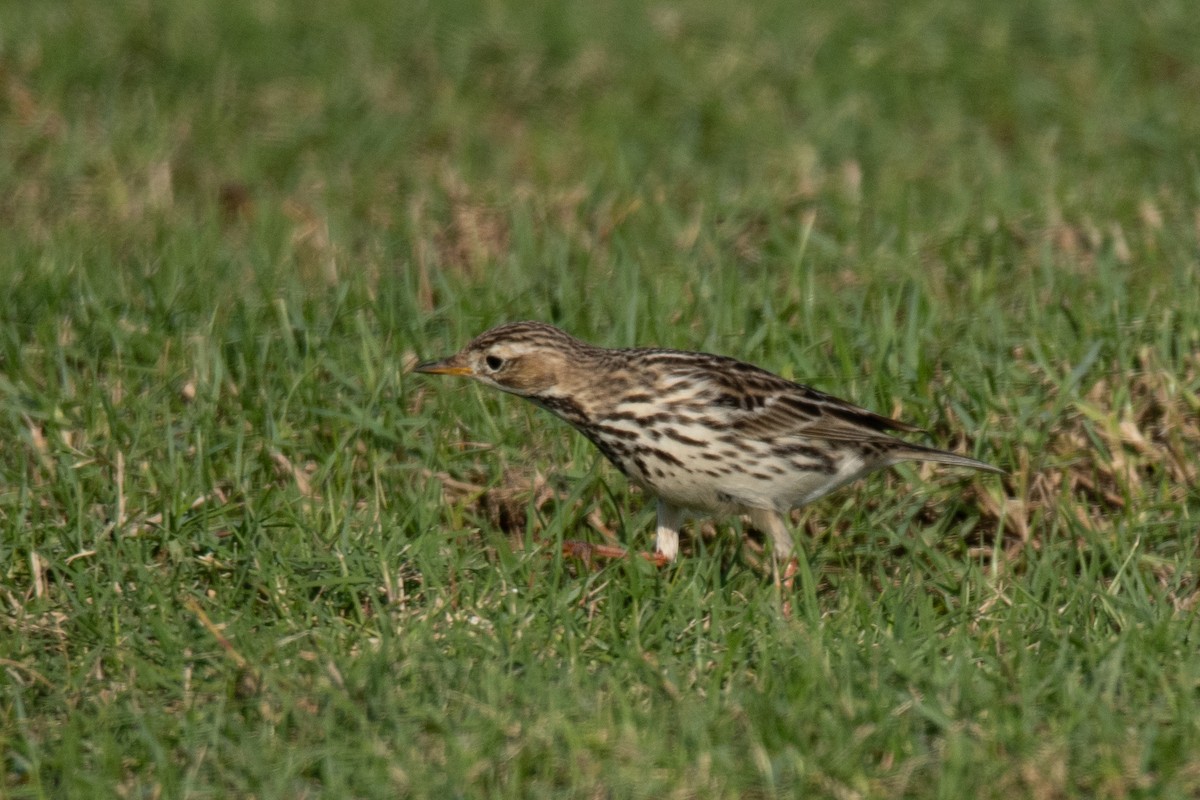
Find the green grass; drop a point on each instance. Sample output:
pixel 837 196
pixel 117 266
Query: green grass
pixel 247 553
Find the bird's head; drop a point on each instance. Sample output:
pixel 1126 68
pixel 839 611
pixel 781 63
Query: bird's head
pixel 529 359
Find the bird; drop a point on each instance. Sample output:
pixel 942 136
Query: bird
pixel 701 432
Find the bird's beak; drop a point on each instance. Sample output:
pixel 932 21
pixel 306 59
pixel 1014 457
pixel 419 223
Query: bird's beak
pixel 447 366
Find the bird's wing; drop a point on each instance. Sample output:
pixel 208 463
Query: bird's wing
pixel 762 404
pixel 754 402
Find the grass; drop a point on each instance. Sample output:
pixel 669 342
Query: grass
pixel 246 553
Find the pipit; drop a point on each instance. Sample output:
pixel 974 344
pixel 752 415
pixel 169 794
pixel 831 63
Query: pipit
pixel 701 432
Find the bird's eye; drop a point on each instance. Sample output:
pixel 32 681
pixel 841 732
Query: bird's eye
pixel 494 362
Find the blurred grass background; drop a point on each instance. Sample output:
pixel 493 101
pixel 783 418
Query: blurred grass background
pixel 246 553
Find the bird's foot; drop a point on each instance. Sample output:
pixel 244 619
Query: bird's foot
pixel 785 581
pixel 586 552
pixel 790 570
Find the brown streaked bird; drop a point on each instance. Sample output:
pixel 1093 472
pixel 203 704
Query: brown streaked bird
pixel 701 432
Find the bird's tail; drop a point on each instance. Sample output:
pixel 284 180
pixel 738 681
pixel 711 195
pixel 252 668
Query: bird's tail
pixel 918 452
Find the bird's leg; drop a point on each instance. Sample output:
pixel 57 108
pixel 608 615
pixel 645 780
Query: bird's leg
pixel 666 535
pixel 772 523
